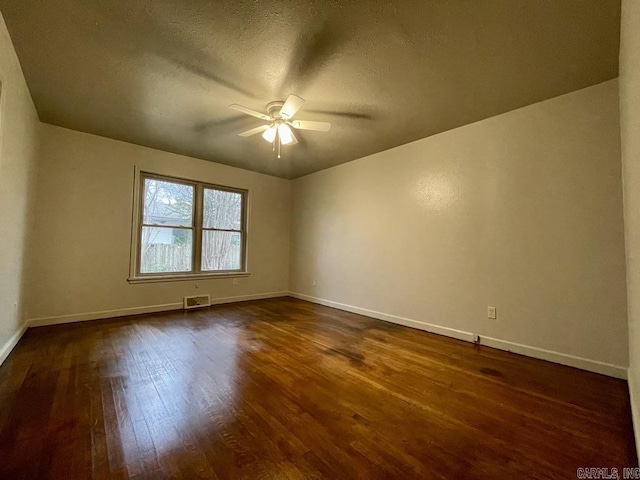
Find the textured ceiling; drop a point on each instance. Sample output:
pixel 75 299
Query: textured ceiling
pixel 162 73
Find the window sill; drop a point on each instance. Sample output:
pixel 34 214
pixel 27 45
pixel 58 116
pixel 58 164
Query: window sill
pixel 185 277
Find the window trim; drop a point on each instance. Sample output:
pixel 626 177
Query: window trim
pixel 196 273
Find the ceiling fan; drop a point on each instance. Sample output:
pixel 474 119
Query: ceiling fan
pixel 280 120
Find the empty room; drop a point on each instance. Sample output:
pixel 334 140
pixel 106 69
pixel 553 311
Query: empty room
pixel 318 239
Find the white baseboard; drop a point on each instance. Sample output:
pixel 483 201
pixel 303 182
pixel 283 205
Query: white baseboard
pixel 534 352
pixel 407 322
pixel 635 414
pixel 245 298
pixel 99 315
pixel 12 342
pixel 123 312
pixel 557 357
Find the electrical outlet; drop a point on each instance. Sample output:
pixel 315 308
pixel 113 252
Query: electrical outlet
pixel 314 283
pixel 491 313
pixel 236 281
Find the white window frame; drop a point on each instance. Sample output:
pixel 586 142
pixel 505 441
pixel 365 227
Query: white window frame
pixel 135 276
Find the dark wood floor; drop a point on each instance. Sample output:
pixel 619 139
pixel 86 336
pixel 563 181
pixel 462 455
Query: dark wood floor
pixel 286 389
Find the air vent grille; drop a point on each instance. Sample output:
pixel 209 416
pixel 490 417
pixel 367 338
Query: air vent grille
pixel 197 301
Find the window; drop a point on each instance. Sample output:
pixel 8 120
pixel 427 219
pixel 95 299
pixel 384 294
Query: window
pixel 187 229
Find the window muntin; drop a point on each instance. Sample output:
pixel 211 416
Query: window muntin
pixel 189 228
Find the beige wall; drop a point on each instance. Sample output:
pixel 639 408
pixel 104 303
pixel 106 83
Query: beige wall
pixel 630 135
pixel 80 261
pixel 522 211
pixel 18 143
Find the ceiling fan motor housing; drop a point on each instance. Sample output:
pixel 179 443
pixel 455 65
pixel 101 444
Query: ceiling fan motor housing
pixel 274 109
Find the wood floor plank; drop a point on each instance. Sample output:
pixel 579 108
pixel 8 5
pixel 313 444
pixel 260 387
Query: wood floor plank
pixel 283 388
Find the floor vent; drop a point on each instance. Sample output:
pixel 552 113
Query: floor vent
pixel 197 301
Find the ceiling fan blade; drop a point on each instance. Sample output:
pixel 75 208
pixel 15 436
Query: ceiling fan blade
pixel 248 111
pixel 291 106
pixel 309 125
pixel 253 131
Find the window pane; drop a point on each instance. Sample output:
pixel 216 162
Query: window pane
pixel 222 209
pixel 165 249
pixel 221 250
pixel 167 203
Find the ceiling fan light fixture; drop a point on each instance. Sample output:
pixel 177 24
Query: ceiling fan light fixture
pixel 270 134
pixel 286 137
